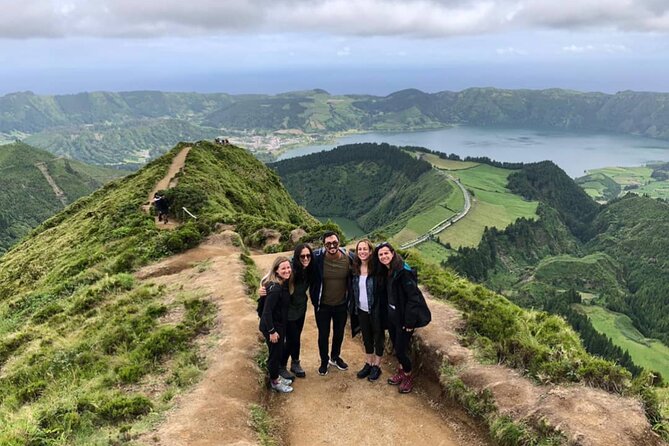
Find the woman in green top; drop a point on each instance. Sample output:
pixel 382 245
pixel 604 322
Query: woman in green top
pixel 297 311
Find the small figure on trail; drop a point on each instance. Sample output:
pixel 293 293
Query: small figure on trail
pixel 273 319
pixel 407 310
pixel 368 303
pixel 162 206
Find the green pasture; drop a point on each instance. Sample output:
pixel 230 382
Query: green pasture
pixel 649 353
pixel 423 222
pixel 492 205
pixel 433 252
pixel 626 176
pixel 441 163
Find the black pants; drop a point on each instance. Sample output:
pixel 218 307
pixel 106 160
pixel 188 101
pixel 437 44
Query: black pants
pixel 401 340
pixel 326 315
pixel 292 347
pixel 373 336
pixel 274 357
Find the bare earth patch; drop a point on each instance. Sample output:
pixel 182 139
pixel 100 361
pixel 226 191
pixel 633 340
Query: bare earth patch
pixel 216 411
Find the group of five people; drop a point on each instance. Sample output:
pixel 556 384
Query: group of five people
pixel 373 285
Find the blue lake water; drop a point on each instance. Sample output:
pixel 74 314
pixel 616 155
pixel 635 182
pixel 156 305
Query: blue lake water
pixel 573 152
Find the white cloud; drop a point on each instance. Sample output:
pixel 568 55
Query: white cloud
pixel 420 18
pixel 604 48
pixel 578 49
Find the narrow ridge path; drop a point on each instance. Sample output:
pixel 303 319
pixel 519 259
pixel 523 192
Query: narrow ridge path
pixel 339 409
pixel 56 189
pixel 169 181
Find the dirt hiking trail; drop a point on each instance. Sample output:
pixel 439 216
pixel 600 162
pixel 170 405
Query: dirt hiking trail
pixel 323 410
pixel 339 408
pixel 169 181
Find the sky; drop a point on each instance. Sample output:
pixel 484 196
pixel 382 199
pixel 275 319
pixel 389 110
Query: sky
pixel 345 47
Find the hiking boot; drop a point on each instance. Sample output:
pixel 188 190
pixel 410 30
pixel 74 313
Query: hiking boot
pixel 323 369
pixel 279 386
pixel 339 363
pixel 285 374
pixel 397 378
pixel 407 384
pixel 297 369
pixel 375 373
pixel 364 371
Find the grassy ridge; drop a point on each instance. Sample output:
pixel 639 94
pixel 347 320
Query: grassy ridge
pixel 86 351
pixel 27 199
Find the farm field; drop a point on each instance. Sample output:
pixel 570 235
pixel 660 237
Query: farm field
pixel 649 353
pixel 492 205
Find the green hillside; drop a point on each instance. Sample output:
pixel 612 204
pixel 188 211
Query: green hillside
pixel 611 182
pixel 379 186
pixel 133 122
pixel 27 198
pixel 78 333
pixel 617 253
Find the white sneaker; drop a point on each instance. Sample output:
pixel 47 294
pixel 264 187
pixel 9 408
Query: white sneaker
pixel 285 381
pixel 280 387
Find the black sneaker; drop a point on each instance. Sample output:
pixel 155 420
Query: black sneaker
pixel 339 363
pixel 364 371
pixel 297 369
pixel 375 373
pixel 285 374
pixel 323 369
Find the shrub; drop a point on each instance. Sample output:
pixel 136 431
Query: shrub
pixel 123 408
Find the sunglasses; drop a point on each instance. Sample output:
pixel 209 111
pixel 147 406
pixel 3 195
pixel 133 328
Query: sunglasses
pixel 305 256
pixel 331 244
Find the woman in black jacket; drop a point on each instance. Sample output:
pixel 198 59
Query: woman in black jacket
pixel 274 318
pixel 406 311
pixel 365 304
pixel 297 310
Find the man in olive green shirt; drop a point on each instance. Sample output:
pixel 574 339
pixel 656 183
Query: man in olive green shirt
pixel 329 295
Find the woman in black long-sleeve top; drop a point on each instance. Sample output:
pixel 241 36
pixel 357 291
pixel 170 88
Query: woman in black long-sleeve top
pixel 274 318
pixel 407 310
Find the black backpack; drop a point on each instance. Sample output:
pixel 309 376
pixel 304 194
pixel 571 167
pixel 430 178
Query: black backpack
pixel 419 308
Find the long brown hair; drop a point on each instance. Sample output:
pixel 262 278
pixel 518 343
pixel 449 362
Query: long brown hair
pixel 273 276
pixel 357 263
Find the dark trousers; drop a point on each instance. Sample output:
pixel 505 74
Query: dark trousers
pixel 373 336
pixel 292 347
pixel 330 315
pixel 401 340
pixel 274 357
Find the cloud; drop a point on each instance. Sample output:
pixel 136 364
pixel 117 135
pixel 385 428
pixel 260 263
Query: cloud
pixel 418 18
pixel 605 48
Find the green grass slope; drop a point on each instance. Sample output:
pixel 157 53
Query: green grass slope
pixel 79 335
pixel 27 199
pixel 596 272
pixel 379 186
pixel 494 204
